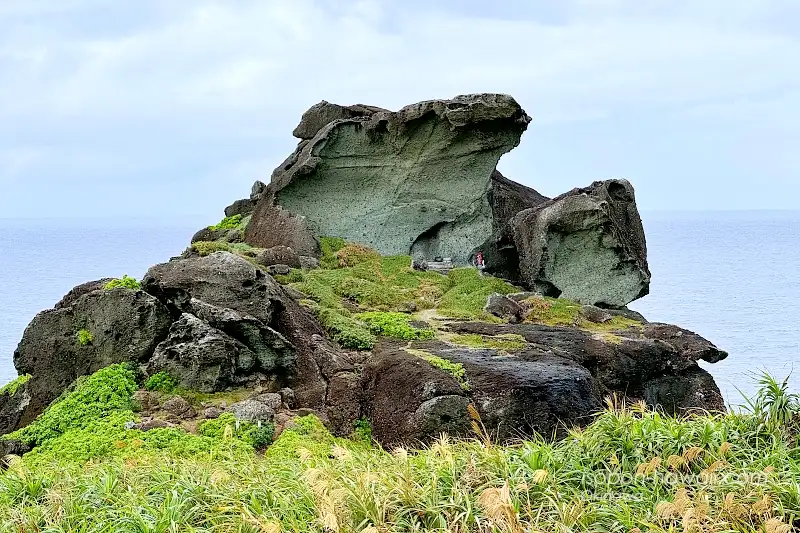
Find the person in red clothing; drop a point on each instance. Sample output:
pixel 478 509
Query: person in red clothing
pixel 479 260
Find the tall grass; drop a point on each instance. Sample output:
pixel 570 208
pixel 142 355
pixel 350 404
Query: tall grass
pixel 632 469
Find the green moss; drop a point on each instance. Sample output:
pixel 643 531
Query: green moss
pixel 160 381
pixel 226 426
pixel 454 369
pixel 126 281
pixel 345 330
pixel 329 246
pixel 234 222
pixel 508 342
pixel 12 387
pixel 394 325
pixel 84 337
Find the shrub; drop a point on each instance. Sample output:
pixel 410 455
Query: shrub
pixel 394 325
pixel 345 330
pixel 226 426
pixel 12 387
pixel 362 431
pixel 454 369
pixel 84 337
pixel 126 281
pixel 160 381
pixel 234 222
pixel 93 399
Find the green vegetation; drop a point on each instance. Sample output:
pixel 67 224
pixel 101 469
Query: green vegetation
pixel 226 426
pixel 84 337
pixel 359 295
pixel 126 281
pixel 508 342
pixel 204 248
pixel 234 222
pixel 631 470
pixel 362 431
pixel 560 312
pixel 161 382
pixel 394 325
pixel 12 387
pixel 454 369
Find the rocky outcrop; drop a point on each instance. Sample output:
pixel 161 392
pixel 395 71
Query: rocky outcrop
pixel 558 380
pixel 119 325
pixel 587 245
pixel 408 182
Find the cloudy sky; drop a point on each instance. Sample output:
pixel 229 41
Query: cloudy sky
pixel 174 107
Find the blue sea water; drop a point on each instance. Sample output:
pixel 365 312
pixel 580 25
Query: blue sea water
pixel 733 277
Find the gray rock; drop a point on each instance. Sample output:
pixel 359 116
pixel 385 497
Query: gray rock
pixel 252 411
pixel 273 400
pixel 308 263
pixel 125 325
pixel 503 307
pixel 212 412
pixel 287 397
pixel 179 407
pixel 242 207
pixel 152 423
pixel 323 113
pixel 257 191
pixel 200 357
pixel 279 255
pixel 628 313
pixel 595 314
pixel 80 290
pixel 294 294
pixel 208 234
pixel 234 235
pixel 587 245
pixel 129 425
pixel 279 270
pixel 13 408
pixel 11 447
pixel 419 188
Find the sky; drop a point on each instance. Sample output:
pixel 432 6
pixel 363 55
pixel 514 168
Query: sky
pixel 162 108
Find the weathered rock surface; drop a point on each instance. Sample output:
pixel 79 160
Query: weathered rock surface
pixel 279 255
pixel 125 325
pixel 587 245
pixel 408 182
pixel 559 380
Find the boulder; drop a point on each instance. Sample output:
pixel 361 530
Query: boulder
pixel 242 207
pixel 587 245
pixel 408 182
pixel 179 407
pixel 308 263
pixel 595 314
pixel 212 412
pixel 80 290
pixel 504 307
pixel 252 411
pixel 208 234
pixel 273 400
pixel 118 325
pixel 200 357
pixel 278 270
pixel 13 407
pixel 279 255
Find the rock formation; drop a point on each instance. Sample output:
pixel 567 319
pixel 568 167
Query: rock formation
pixel 421 182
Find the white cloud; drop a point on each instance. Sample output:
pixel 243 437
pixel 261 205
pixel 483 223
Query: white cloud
pixel 195 78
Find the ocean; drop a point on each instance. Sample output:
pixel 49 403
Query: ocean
pixel 733 277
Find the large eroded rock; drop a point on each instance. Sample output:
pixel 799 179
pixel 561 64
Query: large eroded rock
pixel 413 182
pixel 123 325
pixel 587 245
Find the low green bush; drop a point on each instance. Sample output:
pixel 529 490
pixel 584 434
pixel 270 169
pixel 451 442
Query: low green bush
pixel 394 325
pixel 226 426
pixel 84 337
pixel 328 247
pixel 125 281
pixel 161 382
pixel 234 222
pixel 345 330
pixel 205 248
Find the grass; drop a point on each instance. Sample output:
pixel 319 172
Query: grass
pixel 359 295
pixel 456 370
pixel 508 342
pixel 12 387
pixel 560 312
pixel 631 470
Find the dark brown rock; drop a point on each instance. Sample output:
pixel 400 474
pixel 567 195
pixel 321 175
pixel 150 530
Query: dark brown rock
pixel 279 255
pixel 242 207
pixel 179 407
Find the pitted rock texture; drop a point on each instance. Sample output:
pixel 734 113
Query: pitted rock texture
pixel 413 182
pixel 587 245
